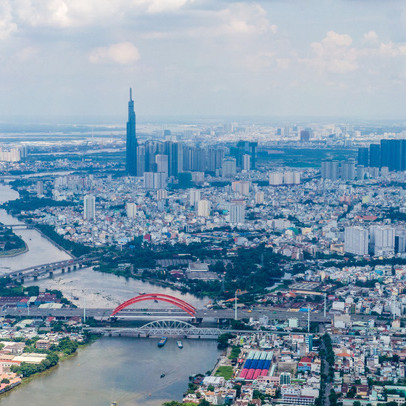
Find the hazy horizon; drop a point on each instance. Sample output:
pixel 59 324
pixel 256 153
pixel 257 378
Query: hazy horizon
pixel 192 58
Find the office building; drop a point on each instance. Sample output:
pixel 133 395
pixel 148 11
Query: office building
pixel 356 240
pixel 131 141
pixel 204 208
pixel 131 210
pixel 89 207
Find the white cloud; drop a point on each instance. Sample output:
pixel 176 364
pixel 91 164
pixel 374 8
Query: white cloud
pixel 371 36
pixel 74 13
pixel 334 54
pixel 7 25
pixel 123 53
pixel 243 18
pixel 159 6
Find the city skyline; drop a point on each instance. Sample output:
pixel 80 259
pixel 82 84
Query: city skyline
pixel 197 58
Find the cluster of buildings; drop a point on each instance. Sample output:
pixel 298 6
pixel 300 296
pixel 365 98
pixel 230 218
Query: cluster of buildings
pixel 13 154
pixel 270 368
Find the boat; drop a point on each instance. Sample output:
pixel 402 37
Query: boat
pixel 162 375
pixel 180 345
pixel 162 341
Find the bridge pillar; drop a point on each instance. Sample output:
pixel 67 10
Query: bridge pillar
pixel 22 280
pixel 51 274
pixel 68 268
pixel 74 267
pixel 63 270
pixel 35 277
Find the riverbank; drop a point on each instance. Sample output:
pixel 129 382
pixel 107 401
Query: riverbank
pixel 14 253
pixel 62 357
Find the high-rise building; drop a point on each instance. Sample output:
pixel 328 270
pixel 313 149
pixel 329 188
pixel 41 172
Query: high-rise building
pixel 363 157
pixel 356 240
pixel 305 136
pixel 161 194
pixel 140 160
pixel 131 142
pixel 162 163
pixel 131 210
pixel 40 188
pixel 348 169
pixel 246 162
pixel 330 169
pixel 236 213
pixel 242 187
pixel 229 167
pixel 259 197
pixel 288 178
pixel 383 238
pixel 393 154
pixel 89 207
pixel 276 178
pixel 400 241
pixel 375 155
pixel 194 197
pixel 155 180
pixel 204 208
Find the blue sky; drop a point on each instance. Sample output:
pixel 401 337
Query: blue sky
pixel 203 57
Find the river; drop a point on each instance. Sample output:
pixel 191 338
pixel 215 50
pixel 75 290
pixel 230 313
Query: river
pixel 120 369
pixel 125 370
pixel 40 250
pixel 93 289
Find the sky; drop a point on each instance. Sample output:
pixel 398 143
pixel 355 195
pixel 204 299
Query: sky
pixel 337 58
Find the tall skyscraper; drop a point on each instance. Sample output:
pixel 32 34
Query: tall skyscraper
pixel 363 155
pixel 89 207
pixel 375 155
pixel 131 143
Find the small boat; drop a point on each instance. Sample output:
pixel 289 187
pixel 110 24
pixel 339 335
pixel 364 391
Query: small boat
pixel 180 345
pixel 162 375
pixel 162 341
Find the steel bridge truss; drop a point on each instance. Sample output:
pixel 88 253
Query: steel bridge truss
pixel 159 328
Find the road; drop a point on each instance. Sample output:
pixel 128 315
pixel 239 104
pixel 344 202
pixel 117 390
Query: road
pixel 155 314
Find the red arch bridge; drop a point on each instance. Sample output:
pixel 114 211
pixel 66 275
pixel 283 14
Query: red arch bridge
pixel 157 297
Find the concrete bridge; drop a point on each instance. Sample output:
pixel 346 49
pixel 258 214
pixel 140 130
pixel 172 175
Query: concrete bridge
pixel 20 226
pixel 48 270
